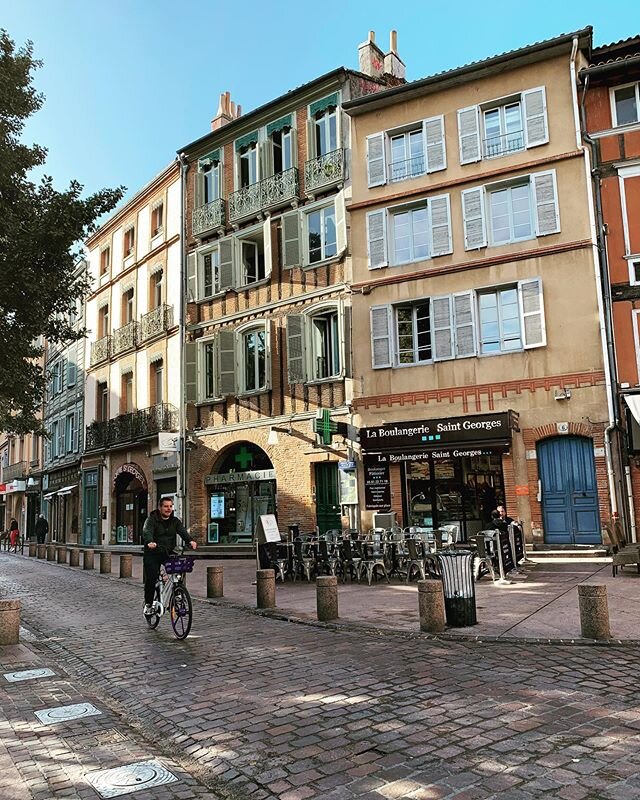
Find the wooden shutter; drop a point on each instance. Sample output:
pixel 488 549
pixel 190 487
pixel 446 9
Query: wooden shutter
pixel 192 277
pixel 75 432
pixel 72 373
pixel 377 238
pixel 440 220
pixel 265 159
pixel 226 270
pixel 311 139
pixel 381 352
pixel 475 233
pixel 294 148
pixel 226 362
pixel 191 372
pixel 296 350
pixel 376 168
pixel 536 129
pixel 532 312
pixel 291 249
pixel 546 199
pixel 442 328
pixel 61 430
pixel 465 334
pixel 434 145
pixel 198 186
pixel 469 134
pixel 344 319
pixel 266 234
pixel 341 222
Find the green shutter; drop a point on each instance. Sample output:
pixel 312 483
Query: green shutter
pixel 331 101
pixel 280 124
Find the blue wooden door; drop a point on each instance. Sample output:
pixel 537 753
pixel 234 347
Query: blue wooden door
pixel 570 513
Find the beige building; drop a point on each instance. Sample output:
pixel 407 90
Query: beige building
pixel 479 378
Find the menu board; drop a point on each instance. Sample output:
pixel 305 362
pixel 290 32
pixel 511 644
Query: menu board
pixel 518 542
pixel 504 543
pixel 377 484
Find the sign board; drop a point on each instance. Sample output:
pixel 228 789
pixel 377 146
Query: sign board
pixel 168 442
pixel 377 484
pixel 348 483
pixel 522 491
pixel 241 477
pixel 213 533
pixel 504 543
pixel 267 530
pixel 216 502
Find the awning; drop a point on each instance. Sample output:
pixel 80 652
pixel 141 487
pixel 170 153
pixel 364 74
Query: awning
pixel 49 496
pixel 67 489
pixel 633 401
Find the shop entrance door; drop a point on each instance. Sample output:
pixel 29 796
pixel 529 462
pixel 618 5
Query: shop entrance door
pixel 90 529
pixel 327 499
pixel 570 512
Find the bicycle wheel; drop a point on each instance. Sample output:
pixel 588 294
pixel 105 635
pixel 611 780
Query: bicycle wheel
pixel 154 619
pixel 181 612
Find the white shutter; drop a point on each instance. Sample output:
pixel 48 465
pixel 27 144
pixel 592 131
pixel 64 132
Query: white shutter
pixel 464 322
pixel 226 362
pixel 61 429
pixel 226 248
pixel 546 200
pixel 191 372
pixel 442 328
pixel 294 148
pixel 296 351
pixel 536 129
pixel 291 250
pixel 440 221
pixel 345 340
pixel 192 277
pixel 267 351
pixel 377 238
pixel 381 354
pixel 341 222
pixel 376 167
pixel 532 312
pixel 72 373
pixel 469 134
pixel 198 199
pixel 475 233
pixel 75 431
pixel 311 139
pixel 434 143
pixel 266 234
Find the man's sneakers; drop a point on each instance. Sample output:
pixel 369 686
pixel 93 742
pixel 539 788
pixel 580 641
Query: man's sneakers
pixel 147 610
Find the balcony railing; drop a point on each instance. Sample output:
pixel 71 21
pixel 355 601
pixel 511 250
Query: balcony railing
pixel 132 427
pixel 124 338
pixel 324 171
pixel 156 322
pixel 271 192
pixel 208 217
pixel 502 145
pixel 409 168
pixel 15 471
pixel 100 350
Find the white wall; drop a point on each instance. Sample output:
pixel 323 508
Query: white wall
pixel 173 210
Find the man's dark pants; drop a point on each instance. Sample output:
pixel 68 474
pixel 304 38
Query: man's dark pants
pixel 151 563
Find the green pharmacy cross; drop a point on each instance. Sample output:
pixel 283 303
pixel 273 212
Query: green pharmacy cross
pixel 324 427
pixel 244 458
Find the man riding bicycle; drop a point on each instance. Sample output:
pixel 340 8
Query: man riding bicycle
pixel 159 536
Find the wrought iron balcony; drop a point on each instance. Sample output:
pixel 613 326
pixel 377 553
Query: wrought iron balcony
pixel 269 193
pixel 124 338
pixel 324 171
pixel 17 471
pixel 156 322
pixel 503 145
pixel 100 350
pixel 131 427
pixel 409 168
pixel 208 217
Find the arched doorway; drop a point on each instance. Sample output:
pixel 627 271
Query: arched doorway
pixel 570 513
pixel 131 496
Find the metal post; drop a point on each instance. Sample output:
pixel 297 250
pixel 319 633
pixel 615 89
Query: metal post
pixel 501 580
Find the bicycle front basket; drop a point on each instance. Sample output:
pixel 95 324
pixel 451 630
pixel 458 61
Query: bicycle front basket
pixel 178 564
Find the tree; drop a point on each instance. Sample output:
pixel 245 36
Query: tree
pixel 41 234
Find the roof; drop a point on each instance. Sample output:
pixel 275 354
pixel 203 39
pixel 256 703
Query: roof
pixel 615 51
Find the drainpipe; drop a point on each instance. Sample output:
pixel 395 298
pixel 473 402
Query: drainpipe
pixel 632 516
pixel 182 444
pixel 601 270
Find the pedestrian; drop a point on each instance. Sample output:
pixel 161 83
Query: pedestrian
pixel 500 519
pixel 14 535
pixel 42 529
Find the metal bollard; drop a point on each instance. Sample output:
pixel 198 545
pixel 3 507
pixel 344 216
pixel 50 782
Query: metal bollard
pixel 215 582
pixel 105 563
pixel 74 556
pixel 88 559
pixel 41 550
pixel 431 606
pixel 61 553
pixel 327 597
pixel 594 612
pixel 51 552
pixel 33 549
pixel 9 621
pixel 266 588
pixel 126 565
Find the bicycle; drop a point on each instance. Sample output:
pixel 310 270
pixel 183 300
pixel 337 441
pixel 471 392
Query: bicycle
pixel 171 594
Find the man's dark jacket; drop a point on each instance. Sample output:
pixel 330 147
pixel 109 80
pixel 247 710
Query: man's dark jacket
pixel 163 532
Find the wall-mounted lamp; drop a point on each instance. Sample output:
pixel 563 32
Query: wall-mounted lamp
pixel 272 438
pixel 563 394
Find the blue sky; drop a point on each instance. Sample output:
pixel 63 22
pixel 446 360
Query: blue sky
pixel 130 81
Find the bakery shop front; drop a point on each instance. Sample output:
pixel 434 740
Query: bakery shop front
pixel 448 471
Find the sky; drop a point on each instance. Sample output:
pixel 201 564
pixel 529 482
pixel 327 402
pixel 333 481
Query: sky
pixel 129 82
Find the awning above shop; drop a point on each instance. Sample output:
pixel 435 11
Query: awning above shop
pixel 49 496
pixel 67 489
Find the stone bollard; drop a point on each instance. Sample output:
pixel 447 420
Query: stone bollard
pixel 88 559
pixel 74 557
pixel 266 588
pixel 327 597
pixel 215 582
pixel 9 621
pixel 51 552
pixel 594 612
pixel 33 549
pixel 431 606
pixel 41 550
pixel 105 563
pixel 61 553
pixel 126 565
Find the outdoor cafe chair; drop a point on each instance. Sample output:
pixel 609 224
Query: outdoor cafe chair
pixel 623 554
pixel 372 560
pixel 349 560
pixel 482 562
pixel 278 559
pixel 327 558
pixel 303 560
pixel 415 558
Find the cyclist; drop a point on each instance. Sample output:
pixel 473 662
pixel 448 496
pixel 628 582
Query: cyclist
pixel 159 536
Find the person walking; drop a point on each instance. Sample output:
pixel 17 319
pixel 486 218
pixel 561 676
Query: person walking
pixel 14 535
pixel 42 529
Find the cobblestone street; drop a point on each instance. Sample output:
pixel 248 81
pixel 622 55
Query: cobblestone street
pixel 255 707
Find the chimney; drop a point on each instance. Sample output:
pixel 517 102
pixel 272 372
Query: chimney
pixel 227 112
pixel 393 65
pixel 371 58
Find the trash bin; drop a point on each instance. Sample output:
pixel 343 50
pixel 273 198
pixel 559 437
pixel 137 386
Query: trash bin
pixel 458 587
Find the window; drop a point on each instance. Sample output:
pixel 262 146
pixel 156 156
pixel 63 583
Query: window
pixel 413 333
pixel 626 105
pixel 155 286
pixel 503 132
pixel 156 383
pixel 315 345
pixel 407 155
pixel 55 452
pixel 103 321
pixel 325 345
pixel 254 360
pixel 126 393
pixel 510 212
pixel 248 165
pixel 251 262
pixel 314 234
pixel 634 272
pixel 499 318
pixel 57 378
pixel 102 402
pixel 157 219
pixel 68 433
pixel 410 235
pixel 105 260
pixel 210 262
pixel 128 311
pixel 282 150
pixel 35 441
pixel 400 154
pixel 322 240
pixel 325 124
pixel 72 373
pixel 209 370
pixel 129 241
pixel 210 172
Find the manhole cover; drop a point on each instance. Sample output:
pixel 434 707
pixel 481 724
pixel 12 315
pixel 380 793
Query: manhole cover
pixel 49 716
pixel 28 675
pixel 132 778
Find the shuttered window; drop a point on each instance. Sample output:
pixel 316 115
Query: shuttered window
pixel 404 154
